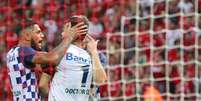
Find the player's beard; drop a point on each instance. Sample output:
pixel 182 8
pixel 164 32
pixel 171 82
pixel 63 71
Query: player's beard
pixel 34 46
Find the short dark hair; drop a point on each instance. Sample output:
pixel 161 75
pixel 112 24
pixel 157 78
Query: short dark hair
pixel 77 19
pixel 25 24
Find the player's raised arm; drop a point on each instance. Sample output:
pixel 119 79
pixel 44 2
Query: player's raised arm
pixel 55 55
pixel 99 73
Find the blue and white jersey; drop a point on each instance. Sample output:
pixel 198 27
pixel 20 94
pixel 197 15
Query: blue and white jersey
pixel 23 79
pixel 73 77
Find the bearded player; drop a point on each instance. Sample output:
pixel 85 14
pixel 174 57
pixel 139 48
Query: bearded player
pixel 22 59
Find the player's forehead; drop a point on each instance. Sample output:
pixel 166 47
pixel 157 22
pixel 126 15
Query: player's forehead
pixel 36 27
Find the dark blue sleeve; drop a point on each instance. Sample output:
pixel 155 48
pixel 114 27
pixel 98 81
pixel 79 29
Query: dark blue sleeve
pixel 26 55
pixel 103 59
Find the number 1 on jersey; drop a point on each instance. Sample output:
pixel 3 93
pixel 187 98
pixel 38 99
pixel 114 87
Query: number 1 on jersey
pixel 85 74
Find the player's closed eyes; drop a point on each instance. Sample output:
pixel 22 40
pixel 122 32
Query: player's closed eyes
pixel 38 32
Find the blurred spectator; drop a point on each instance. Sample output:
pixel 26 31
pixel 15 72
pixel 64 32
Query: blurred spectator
pixel 144 40
pixel 115 86
pixel 173 33
pixel 151 93
pixel 10 38
pixel 174 54
pixel 95 27
pixel 159 8
pixel 129 58
pixel 158 71
pixel 158 56
pixel 142 58
pixel 115 89
pixel 133 6
pixel 2 28
pixel 188 22
pixel 186 6
pixel 130 89
pixel 52 28
pixel 146 7
pixel 189 55
pixel 175 75
pixel 199 81
pixel 173 8
pixel 159 39
pixel 189 38
pixel 129 85
pixel 104 90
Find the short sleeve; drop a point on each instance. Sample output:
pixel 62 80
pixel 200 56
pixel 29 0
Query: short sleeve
pixel 26 55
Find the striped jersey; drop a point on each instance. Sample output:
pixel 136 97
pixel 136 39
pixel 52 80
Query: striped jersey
pixel 22 77
pixel 73 77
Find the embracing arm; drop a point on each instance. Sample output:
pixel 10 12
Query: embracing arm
pixel 55 55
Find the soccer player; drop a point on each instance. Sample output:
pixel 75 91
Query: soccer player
pixel 94 92
pixel 22 58
pixel 73 76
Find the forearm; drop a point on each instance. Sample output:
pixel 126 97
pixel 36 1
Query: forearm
pixel 98 71
pixel 44 91
pixel 44 84
pixel 60 50
pixel 54 56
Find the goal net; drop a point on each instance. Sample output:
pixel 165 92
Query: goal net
pixel 156 54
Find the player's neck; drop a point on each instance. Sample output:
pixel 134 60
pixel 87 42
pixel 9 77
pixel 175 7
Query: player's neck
pixel 79 44
pixel 24 43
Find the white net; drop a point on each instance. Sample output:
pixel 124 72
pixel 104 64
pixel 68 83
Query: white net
pixel 156 56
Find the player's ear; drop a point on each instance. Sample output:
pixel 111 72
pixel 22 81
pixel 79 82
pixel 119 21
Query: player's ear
pixel 26 34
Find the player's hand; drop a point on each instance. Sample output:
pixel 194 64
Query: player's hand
pixel 74 31
pixel 91 44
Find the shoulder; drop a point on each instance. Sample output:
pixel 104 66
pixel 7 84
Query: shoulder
pixel 11 50
pixel 75 49
pixel 26 53
pixel 71 48
pixel 26 50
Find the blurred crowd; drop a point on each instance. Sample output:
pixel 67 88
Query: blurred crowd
pixel 159 46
